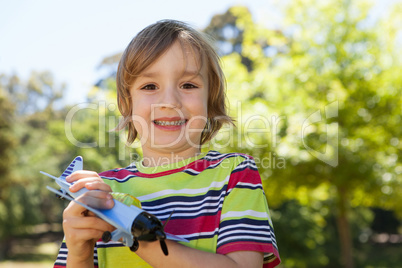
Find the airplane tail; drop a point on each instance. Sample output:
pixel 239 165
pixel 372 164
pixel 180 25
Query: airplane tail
pixel 76 164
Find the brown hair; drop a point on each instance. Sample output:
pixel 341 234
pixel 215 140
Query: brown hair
pixel 147 47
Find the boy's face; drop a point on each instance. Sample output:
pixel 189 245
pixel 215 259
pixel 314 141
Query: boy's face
pixel 169 101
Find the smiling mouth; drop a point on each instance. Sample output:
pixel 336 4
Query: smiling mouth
pixel 170 123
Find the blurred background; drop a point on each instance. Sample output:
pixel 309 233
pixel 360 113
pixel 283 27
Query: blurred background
pixel 315 87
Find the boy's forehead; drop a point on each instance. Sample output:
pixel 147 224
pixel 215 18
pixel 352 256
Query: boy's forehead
pixel 188 54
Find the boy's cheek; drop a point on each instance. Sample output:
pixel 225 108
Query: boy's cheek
pixel 197 124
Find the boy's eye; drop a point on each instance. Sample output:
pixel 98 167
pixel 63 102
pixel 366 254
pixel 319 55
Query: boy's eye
pixel 188 86
pixel 149 87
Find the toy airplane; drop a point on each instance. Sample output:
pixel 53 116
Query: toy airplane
pixel 132 223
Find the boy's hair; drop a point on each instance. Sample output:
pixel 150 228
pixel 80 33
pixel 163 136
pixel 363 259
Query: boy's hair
pixel 145 48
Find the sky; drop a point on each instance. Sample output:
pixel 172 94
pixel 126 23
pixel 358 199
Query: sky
pixel 70 38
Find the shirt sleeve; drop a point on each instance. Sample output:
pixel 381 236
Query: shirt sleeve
pixel 61 260
pixel 245 223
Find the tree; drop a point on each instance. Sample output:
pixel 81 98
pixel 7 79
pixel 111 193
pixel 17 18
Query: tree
pixel 6 139
pixel 348 57
pixel 335 104
pixel 26 108
pixel 232 34
pixel 7 145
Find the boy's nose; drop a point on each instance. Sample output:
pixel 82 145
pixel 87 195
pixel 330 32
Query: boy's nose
pixel 170 98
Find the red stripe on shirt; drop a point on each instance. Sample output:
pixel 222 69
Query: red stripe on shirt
pixel 190 226
pixel 252 177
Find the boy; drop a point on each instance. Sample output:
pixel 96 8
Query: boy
pixel 171 95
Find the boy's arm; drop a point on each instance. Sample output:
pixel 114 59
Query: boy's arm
pixel 82 228
pixel 182 256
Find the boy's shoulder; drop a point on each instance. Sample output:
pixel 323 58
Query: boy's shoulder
pixel 233 157
pixel 215 154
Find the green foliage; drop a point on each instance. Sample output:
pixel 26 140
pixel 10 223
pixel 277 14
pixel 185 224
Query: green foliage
pixel 340 59
pixel 7 145
pixel 320 112
pixel 22 202
pixel 311 242
pixel 7 142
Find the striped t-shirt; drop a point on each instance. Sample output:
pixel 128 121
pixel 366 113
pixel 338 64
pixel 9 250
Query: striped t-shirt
pixel 218 202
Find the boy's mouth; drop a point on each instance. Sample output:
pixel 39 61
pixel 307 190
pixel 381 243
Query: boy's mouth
pixel 170 122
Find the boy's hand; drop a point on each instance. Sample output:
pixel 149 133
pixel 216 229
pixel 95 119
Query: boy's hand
pixel 91 181
pixel 82 228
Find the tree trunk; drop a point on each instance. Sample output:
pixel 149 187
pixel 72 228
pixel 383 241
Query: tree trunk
pixel 344 229
pixel 5 248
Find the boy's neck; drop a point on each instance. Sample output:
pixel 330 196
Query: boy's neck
pixel 152 158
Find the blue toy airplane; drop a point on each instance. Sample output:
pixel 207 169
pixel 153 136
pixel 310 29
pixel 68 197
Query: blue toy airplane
pixel 132 223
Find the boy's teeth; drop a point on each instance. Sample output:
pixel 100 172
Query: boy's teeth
pixel 170 123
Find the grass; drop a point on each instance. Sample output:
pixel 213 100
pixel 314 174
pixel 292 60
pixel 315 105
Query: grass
pixel 17 264
pixel 36 249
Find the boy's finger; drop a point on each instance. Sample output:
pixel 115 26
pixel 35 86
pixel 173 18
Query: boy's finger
pixel 82 182
pixel 97 199
pixel 73 210
pixel 88 223
pixel 80 174
pixel 98 185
